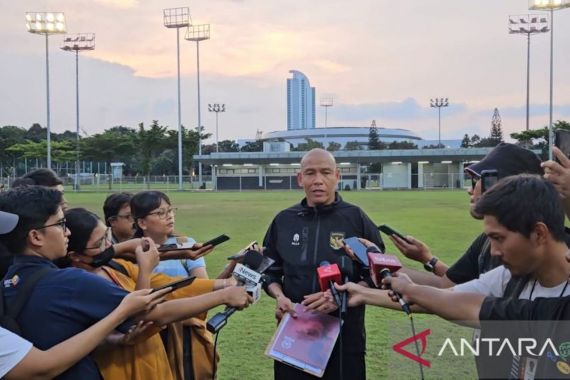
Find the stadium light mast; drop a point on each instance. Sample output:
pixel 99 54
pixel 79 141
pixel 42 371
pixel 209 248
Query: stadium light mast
pixel 76 43
pixel 326 102
pixel 217 108
pixel 178 18
pixel 438 103
pixel 46 23
pixel 550 5
pixel 528 25
pixel 198 33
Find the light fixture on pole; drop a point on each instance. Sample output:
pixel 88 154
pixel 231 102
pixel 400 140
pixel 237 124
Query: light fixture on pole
pixel 326 102
pixel 550 5
pixel 46 23
pixel 76 43
pixel 217 108
pixel 178 18
pixel 198 33
pixel 528 25
pixel 438 103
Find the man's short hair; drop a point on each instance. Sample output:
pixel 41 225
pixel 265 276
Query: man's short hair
pixel 519 202
pixel 33 205
pixel 114 203
pixel 39 177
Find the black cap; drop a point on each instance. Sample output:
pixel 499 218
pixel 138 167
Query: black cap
pixel 507 159
pixel 8 222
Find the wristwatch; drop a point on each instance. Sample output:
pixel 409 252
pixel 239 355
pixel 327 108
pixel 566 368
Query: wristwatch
pixel 430 265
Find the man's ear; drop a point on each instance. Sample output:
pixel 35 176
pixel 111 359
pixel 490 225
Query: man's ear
pixel 300 179
pixel 36 238
pixel 541 232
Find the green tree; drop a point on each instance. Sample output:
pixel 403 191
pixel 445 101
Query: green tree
pixel 333 146
pixel 475 139
pixel 466 142
pixel 150 143
pixel 308 145
pixel 253 146
pixel 374 142
pixel 353 145
pixel 402 145
pixel 228 146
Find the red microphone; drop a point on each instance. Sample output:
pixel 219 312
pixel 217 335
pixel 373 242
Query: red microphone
pixel 328 274
pixel 379 262
pixel 382 266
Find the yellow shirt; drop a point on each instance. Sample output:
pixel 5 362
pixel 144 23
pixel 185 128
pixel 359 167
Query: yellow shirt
pixel 146 359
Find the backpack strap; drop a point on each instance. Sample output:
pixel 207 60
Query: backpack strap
pixel 12 311
pixel 118 267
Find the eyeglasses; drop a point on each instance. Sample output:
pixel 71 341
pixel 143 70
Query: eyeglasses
pixel 162 213
pixel 60 223
pixel 102 242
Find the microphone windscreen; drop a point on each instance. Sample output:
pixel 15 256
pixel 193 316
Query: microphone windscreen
pixel 252 259
pixel 346 266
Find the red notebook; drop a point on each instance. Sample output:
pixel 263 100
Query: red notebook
pixel 305 342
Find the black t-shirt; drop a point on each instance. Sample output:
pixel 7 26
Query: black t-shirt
pixel 475 261
pixel 541 319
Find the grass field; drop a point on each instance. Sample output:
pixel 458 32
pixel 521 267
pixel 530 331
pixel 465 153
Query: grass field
pixel 439 218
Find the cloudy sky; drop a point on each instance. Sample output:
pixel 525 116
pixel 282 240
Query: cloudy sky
pixel 380 59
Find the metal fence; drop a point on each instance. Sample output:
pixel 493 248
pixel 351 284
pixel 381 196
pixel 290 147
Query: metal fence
pixel 380 181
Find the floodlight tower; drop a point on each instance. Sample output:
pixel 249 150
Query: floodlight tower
pixel 198 33
pixel 76 43
pixel 438 103
pixel 178 18
pixel 528 25
pixel 46 23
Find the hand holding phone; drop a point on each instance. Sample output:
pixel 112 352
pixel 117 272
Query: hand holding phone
pixel 241 253
pixel 358 249
pixel 217 240
pixel 176 284
pixel 390 231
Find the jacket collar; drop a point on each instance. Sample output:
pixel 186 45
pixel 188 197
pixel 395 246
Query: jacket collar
pixel 306 209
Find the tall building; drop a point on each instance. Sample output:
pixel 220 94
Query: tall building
pixel 300 102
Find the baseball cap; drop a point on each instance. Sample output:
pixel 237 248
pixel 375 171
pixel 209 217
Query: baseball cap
pixel 8 222
pixel 507 159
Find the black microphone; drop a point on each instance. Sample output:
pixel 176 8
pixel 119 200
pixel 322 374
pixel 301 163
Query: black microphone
pixel 347 270
pixel 248 275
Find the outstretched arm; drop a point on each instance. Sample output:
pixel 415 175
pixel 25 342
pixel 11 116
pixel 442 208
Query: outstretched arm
pixel 38 364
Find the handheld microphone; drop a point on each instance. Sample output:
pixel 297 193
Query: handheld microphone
pixel 382 266
pixel 328 274
pixel 249 275
pixel 347 269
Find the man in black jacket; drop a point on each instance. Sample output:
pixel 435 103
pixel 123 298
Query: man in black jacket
pixel 303 236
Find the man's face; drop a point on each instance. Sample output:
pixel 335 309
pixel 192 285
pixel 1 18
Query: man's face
pixel 51 238
pixel 319 177
pixel 519 254
pixel 474 195
pixel 122 223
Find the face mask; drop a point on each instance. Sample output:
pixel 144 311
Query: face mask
pixel 103 258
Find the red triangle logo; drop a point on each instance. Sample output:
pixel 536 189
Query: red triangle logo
pixel 399 347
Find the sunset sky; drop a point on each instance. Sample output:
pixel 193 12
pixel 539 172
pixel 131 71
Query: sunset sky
pixel 381 60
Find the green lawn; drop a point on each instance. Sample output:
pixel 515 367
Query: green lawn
pixel 439 218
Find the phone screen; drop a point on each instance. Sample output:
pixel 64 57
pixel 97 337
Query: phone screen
pixel 390 231
pixel 176 284
pixel 359 250
pixel 562 141
pixel 217 240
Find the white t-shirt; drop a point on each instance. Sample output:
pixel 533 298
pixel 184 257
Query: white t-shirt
pixel 494 282
pixel 12 350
